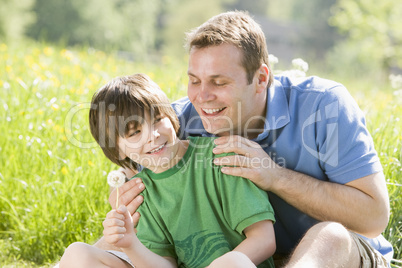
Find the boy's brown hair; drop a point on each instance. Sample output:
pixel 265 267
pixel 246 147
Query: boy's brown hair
pixel 121 103
pixel 239 29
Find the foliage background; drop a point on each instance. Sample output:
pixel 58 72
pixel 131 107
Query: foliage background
pixel 54 54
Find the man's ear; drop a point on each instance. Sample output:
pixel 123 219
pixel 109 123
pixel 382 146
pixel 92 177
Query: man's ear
pixel 262 78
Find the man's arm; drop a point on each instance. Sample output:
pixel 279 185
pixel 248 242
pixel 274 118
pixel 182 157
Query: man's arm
pixel 361 205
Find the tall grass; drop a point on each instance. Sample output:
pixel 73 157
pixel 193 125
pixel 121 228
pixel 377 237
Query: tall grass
pixel 53 188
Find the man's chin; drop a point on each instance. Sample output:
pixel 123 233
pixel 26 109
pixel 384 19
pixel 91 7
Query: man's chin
pixel 219 131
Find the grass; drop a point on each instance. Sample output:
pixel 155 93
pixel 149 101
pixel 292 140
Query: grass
pixel 53 188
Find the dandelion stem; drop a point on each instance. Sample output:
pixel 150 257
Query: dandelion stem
pixel 117 198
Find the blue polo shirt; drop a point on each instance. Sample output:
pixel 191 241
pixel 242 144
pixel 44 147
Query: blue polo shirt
pixel 312 126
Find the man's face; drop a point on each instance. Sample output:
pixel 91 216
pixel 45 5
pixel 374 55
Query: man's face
pixel 219 90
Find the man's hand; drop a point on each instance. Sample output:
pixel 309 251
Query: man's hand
pixel 129 197
pixel 250 161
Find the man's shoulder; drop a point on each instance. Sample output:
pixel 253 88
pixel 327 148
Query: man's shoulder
pixel 307 85
pixel 181 105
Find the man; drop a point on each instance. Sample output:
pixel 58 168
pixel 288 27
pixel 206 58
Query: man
pixel 302 140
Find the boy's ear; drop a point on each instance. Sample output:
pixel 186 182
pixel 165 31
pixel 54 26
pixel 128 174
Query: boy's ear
pixel 262 78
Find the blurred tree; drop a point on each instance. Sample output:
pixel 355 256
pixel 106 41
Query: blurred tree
pixel 319 36
pixel 119 24
pixel 182 16
pixel 373 30
pixel 14 17
pixel 257 7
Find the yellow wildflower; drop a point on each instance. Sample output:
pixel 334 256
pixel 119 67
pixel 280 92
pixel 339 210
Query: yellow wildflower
pixel 64 171
pixel 48 51
pixel 55 107
pixel 3 47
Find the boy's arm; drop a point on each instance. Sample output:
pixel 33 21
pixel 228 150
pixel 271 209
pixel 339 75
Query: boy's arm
pixel 119 231
pixel 259 244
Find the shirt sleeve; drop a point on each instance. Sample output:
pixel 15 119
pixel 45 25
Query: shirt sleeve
pixel 346 148
pixel 243 202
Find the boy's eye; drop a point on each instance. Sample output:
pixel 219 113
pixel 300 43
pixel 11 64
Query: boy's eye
pixel 158 119
pixel 133 133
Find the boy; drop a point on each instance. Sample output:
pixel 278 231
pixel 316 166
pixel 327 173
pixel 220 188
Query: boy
pixel 193 215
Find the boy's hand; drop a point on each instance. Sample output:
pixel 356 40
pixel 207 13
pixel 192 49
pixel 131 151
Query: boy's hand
pixel 129 197
pixel 119 228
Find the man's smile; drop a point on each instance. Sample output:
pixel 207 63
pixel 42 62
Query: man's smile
pixel 212 111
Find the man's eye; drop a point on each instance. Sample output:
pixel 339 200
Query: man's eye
pixel 220 84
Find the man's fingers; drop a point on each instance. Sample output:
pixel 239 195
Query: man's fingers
pixel 135 204
pixel 234 160
pixel 136 218
pixel 127 193
pixel 238 172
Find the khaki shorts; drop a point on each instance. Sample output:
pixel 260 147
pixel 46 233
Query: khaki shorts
pixel 369 257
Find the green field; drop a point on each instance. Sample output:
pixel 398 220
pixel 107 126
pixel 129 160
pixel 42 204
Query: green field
pixel 53 188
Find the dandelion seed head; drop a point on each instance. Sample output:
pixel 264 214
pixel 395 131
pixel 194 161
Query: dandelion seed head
pixel 115 178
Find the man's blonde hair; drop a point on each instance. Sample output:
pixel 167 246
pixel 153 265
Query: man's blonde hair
pixel 236 28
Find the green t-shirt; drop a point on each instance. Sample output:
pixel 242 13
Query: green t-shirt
pixel 194 213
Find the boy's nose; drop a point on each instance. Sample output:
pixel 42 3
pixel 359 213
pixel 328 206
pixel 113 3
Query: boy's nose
pixel 154 135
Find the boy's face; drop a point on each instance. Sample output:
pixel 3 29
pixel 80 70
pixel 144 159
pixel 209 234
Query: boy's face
pixel 219 90
pixel 153 144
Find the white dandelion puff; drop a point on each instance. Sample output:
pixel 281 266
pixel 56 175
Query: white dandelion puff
pixel 116 179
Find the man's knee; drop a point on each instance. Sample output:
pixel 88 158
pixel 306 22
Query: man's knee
pixel 331 234
pixel 233 259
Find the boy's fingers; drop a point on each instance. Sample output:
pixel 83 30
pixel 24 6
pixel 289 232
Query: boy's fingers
pixel 113 222
pixel 113 239
pixel 114 230
pixel 113 214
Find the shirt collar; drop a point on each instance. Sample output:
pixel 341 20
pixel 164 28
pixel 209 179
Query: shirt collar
pixel 277 115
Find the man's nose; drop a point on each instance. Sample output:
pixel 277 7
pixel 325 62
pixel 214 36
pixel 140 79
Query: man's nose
pixel 206 93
